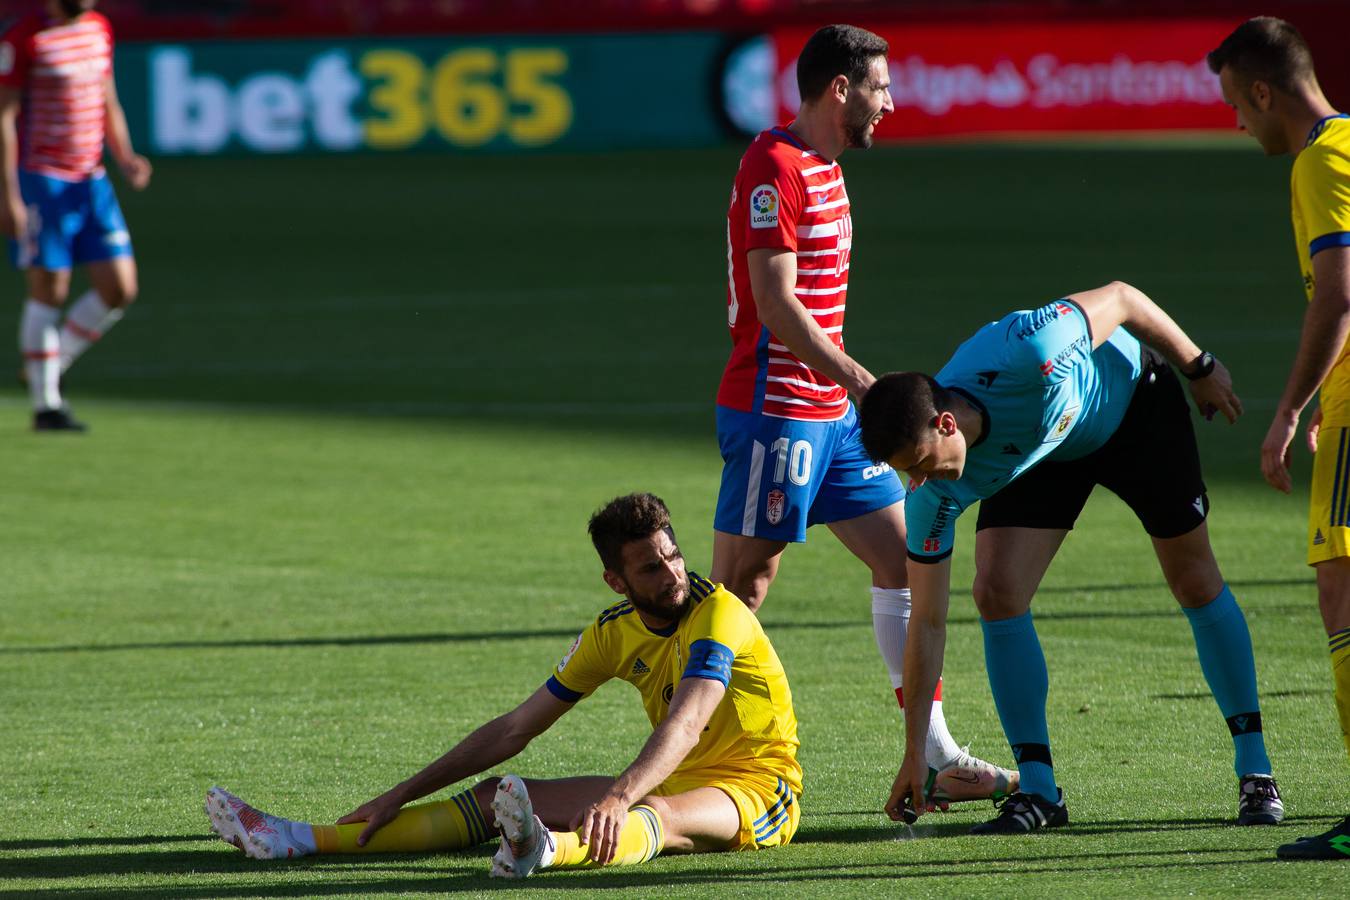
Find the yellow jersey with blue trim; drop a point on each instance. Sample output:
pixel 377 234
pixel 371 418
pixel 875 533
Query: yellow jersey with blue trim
pixel 752 730
pixel 1320 194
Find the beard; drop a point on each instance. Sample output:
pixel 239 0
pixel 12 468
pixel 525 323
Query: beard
pixel 856 123
pixel 671 605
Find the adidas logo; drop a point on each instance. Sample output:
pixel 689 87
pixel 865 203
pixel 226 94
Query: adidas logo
pixel 1011 450
pixel 1318 538
pixel 640 667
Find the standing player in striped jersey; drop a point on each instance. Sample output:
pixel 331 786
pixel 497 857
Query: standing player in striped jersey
pixel 58 101
pixel 787 429
pixel 719 771
pixel 1266 72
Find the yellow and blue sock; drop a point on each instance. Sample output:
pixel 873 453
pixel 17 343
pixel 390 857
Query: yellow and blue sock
pixel 1339 645
pixel 1020 684
pixel 440 825
pixel 1225 649
pixel 643 836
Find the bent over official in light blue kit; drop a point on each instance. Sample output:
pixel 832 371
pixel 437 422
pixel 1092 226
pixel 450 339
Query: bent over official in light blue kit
pixel 1030 414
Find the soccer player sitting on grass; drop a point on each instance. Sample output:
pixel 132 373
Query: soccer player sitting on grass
pixel 719 771
pixel 1027 417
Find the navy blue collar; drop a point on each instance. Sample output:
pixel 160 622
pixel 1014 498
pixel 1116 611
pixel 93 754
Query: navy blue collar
pixel 1321 126
pixel 787 135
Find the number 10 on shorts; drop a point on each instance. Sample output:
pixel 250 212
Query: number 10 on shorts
pixel 791 460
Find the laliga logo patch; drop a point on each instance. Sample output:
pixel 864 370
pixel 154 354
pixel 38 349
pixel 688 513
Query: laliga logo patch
pixel 776 506
pixel 568 657
pixel 764 207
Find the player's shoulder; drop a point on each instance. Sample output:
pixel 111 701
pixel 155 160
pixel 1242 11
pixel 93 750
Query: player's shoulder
pixel 612 614
pixel 774 152
pixel 708 598
pixel 1329 149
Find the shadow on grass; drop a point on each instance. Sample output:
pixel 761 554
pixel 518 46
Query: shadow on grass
pixel 655 878
pixel 445 637
pixel 121 841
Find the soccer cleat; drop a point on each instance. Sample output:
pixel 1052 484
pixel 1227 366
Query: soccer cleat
pixel 524 837
pixel 56 420
pixel 1333 844
pixel 1259 801
pixel 1020 813
pixel 259 835
pixel 971 778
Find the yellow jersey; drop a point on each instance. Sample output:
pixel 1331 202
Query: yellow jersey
pixel 753 729
pixel 1320 193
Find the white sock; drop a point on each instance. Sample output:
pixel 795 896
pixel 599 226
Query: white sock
pixel 88 320
pixel 40 344
pixel 890 625
pixel 302 835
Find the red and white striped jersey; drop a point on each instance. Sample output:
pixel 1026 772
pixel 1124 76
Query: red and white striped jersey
pixel 786 196
pixel 62 71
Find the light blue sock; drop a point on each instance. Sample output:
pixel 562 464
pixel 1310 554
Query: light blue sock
pixel 1225 649
pixel 1020 683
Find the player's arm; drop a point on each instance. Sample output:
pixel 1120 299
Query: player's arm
pixel 13 217
pixel 1119 304
pixel 929 587
pixel 135 168
pixel 492 743
pixel 773 280
pixel 1326 325
pixel 690 709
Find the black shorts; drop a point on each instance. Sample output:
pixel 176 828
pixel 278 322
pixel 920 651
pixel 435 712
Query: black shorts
pixel 1151 462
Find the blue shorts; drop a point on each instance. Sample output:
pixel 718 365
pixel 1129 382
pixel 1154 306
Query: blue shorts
pixel 781 476
pixel 69 222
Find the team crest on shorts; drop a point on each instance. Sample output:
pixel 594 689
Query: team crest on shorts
pixel 776 506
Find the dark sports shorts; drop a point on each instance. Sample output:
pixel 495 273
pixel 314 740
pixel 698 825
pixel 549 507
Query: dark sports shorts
pixel 1151 462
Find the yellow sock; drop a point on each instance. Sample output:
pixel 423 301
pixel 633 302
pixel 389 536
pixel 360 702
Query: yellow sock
pixel 642 837
pixel 440 825
pixel 1339 644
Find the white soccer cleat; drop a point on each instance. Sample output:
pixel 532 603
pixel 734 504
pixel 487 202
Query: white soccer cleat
pixel 524 837
pixel 971 778
pixel 259 835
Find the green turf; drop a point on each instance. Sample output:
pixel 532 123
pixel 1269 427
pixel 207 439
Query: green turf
pixel 331 516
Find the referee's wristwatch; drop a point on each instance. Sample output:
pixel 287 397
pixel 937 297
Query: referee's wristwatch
pixel 1200 367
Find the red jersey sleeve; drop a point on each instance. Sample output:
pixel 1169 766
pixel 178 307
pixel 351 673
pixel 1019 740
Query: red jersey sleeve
pixel 16 52
pixel 774 198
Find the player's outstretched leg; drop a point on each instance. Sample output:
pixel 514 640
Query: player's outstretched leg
pixel 255 832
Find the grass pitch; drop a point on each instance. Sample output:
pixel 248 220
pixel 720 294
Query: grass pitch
pixel 332 516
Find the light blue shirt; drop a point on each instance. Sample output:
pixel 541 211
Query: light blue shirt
pixel 1043 392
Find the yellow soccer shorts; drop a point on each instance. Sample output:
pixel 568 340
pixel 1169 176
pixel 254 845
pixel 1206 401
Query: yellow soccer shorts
pixel 1329 506
pixel 770 810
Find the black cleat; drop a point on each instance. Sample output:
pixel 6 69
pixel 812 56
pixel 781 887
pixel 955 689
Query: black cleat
pixel 1333 844
pixel 1020 813
pixel 1259 801
pixel 56 420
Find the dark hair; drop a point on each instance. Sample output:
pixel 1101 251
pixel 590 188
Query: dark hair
pixel 1265 49
pixel 622 520
pixel 836 50
pixel 896 411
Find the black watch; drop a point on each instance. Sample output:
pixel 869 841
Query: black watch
pixel 1200 367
